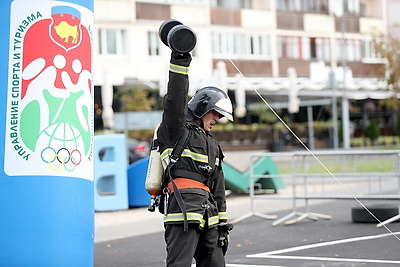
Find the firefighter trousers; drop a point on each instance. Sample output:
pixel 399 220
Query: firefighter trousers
pixel 182 247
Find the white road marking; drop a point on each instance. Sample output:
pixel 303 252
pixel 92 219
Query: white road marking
pixel 251 265
pixel 323 244
pixel 330 259
pixel 245 265
pixel 274 254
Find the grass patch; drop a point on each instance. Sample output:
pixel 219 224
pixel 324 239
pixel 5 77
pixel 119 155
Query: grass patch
pixel 352 166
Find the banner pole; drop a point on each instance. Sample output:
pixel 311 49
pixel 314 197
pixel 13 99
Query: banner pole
pixel 46 133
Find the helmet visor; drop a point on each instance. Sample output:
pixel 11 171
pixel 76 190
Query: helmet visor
pixel 224 107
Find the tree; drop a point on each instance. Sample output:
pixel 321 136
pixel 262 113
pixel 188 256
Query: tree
pixel 372 131
pixel 134 99
pixel 388 48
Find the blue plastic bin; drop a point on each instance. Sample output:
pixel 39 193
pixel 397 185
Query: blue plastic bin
pixel 137 194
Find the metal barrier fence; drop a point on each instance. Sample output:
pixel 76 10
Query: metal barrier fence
pixel 361 175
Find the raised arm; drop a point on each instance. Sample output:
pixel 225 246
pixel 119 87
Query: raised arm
pixel 175 101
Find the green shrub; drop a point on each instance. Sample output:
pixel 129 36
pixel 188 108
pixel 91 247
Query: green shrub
pixel 372 130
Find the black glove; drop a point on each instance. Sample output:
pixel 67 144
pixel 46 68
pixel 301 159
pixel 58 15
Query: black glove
pixel 181 59
pixel 223 239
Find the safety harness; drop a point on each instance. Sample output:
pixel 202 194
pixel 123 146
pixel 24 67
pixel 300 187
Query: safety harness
pixel 175 156
pixel 175 179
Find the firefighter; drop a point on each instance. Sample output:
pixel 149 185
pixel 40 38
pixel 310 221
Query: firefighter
pixel 195 218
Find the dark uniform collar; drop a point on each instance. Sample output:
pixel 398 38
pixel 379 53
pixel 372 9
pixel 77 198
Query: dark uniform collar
pixel 193 125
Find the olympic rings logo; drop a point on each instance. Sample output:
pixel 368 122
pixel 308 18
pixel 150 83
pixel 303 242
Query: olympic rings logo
pixel 63 158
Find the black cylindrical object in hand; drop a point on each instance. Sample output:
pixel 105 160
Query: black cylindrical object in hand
pixel 177 36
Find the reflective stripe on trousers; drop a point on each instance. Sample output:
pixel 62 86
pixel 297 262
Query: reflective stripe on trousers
pixel 191 217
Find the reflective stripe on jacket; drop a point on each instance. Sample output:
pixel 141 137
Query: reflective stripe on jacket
pixel 186 153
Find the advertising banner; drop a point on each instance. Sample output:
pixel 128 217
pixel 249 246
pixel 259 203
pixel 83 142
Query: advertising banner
pixel 49 130
pixel 46 133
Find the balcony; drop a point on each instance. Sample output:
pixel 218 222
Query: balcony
pixel 290 20
pixel 351 24
pixel 222 16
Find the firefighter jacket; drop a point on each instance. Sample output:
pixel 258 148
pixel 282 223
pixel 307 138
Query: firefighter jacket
pixel 200 159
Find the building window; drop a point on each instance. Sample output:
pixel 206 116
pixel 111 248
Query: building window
pixel 247 4
pixel 289 47
pixel 304 48
pixel 289 5
pixel 112 42
pixel 322 49
pixel 244 46
pixel 225 44
pixel 354 47
pixel 234 4
pixel 321 6
pixel 153 43
pixel 352 52
pixel 346 7
pixel 351 6
pixel 257 45
pixel 369 49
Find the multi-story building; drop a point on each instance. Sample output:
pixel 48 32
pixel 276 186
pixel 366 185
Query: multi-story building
pixel 250 44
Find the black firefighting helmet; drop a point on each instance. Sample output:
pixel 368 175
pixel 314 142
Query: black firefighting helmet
pixel 210 98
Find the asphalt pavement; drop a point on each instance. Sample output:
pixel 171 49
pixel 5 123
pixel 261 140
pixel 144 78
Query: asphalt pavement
pixel 134 237
pixel 255 242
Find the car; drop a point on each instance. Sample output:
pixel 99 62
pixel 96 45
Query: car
pixel 136 150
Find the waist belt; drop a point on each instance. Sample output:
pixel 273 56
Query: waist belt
pixel 191 175
pixel 187 183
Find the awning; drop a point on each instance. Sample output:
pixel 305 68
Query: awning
pixel 358 88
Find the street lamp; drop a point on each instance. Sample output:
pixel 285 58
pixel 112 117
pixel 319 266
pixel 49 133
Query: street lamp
pixel 339 12
pixel 345 100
